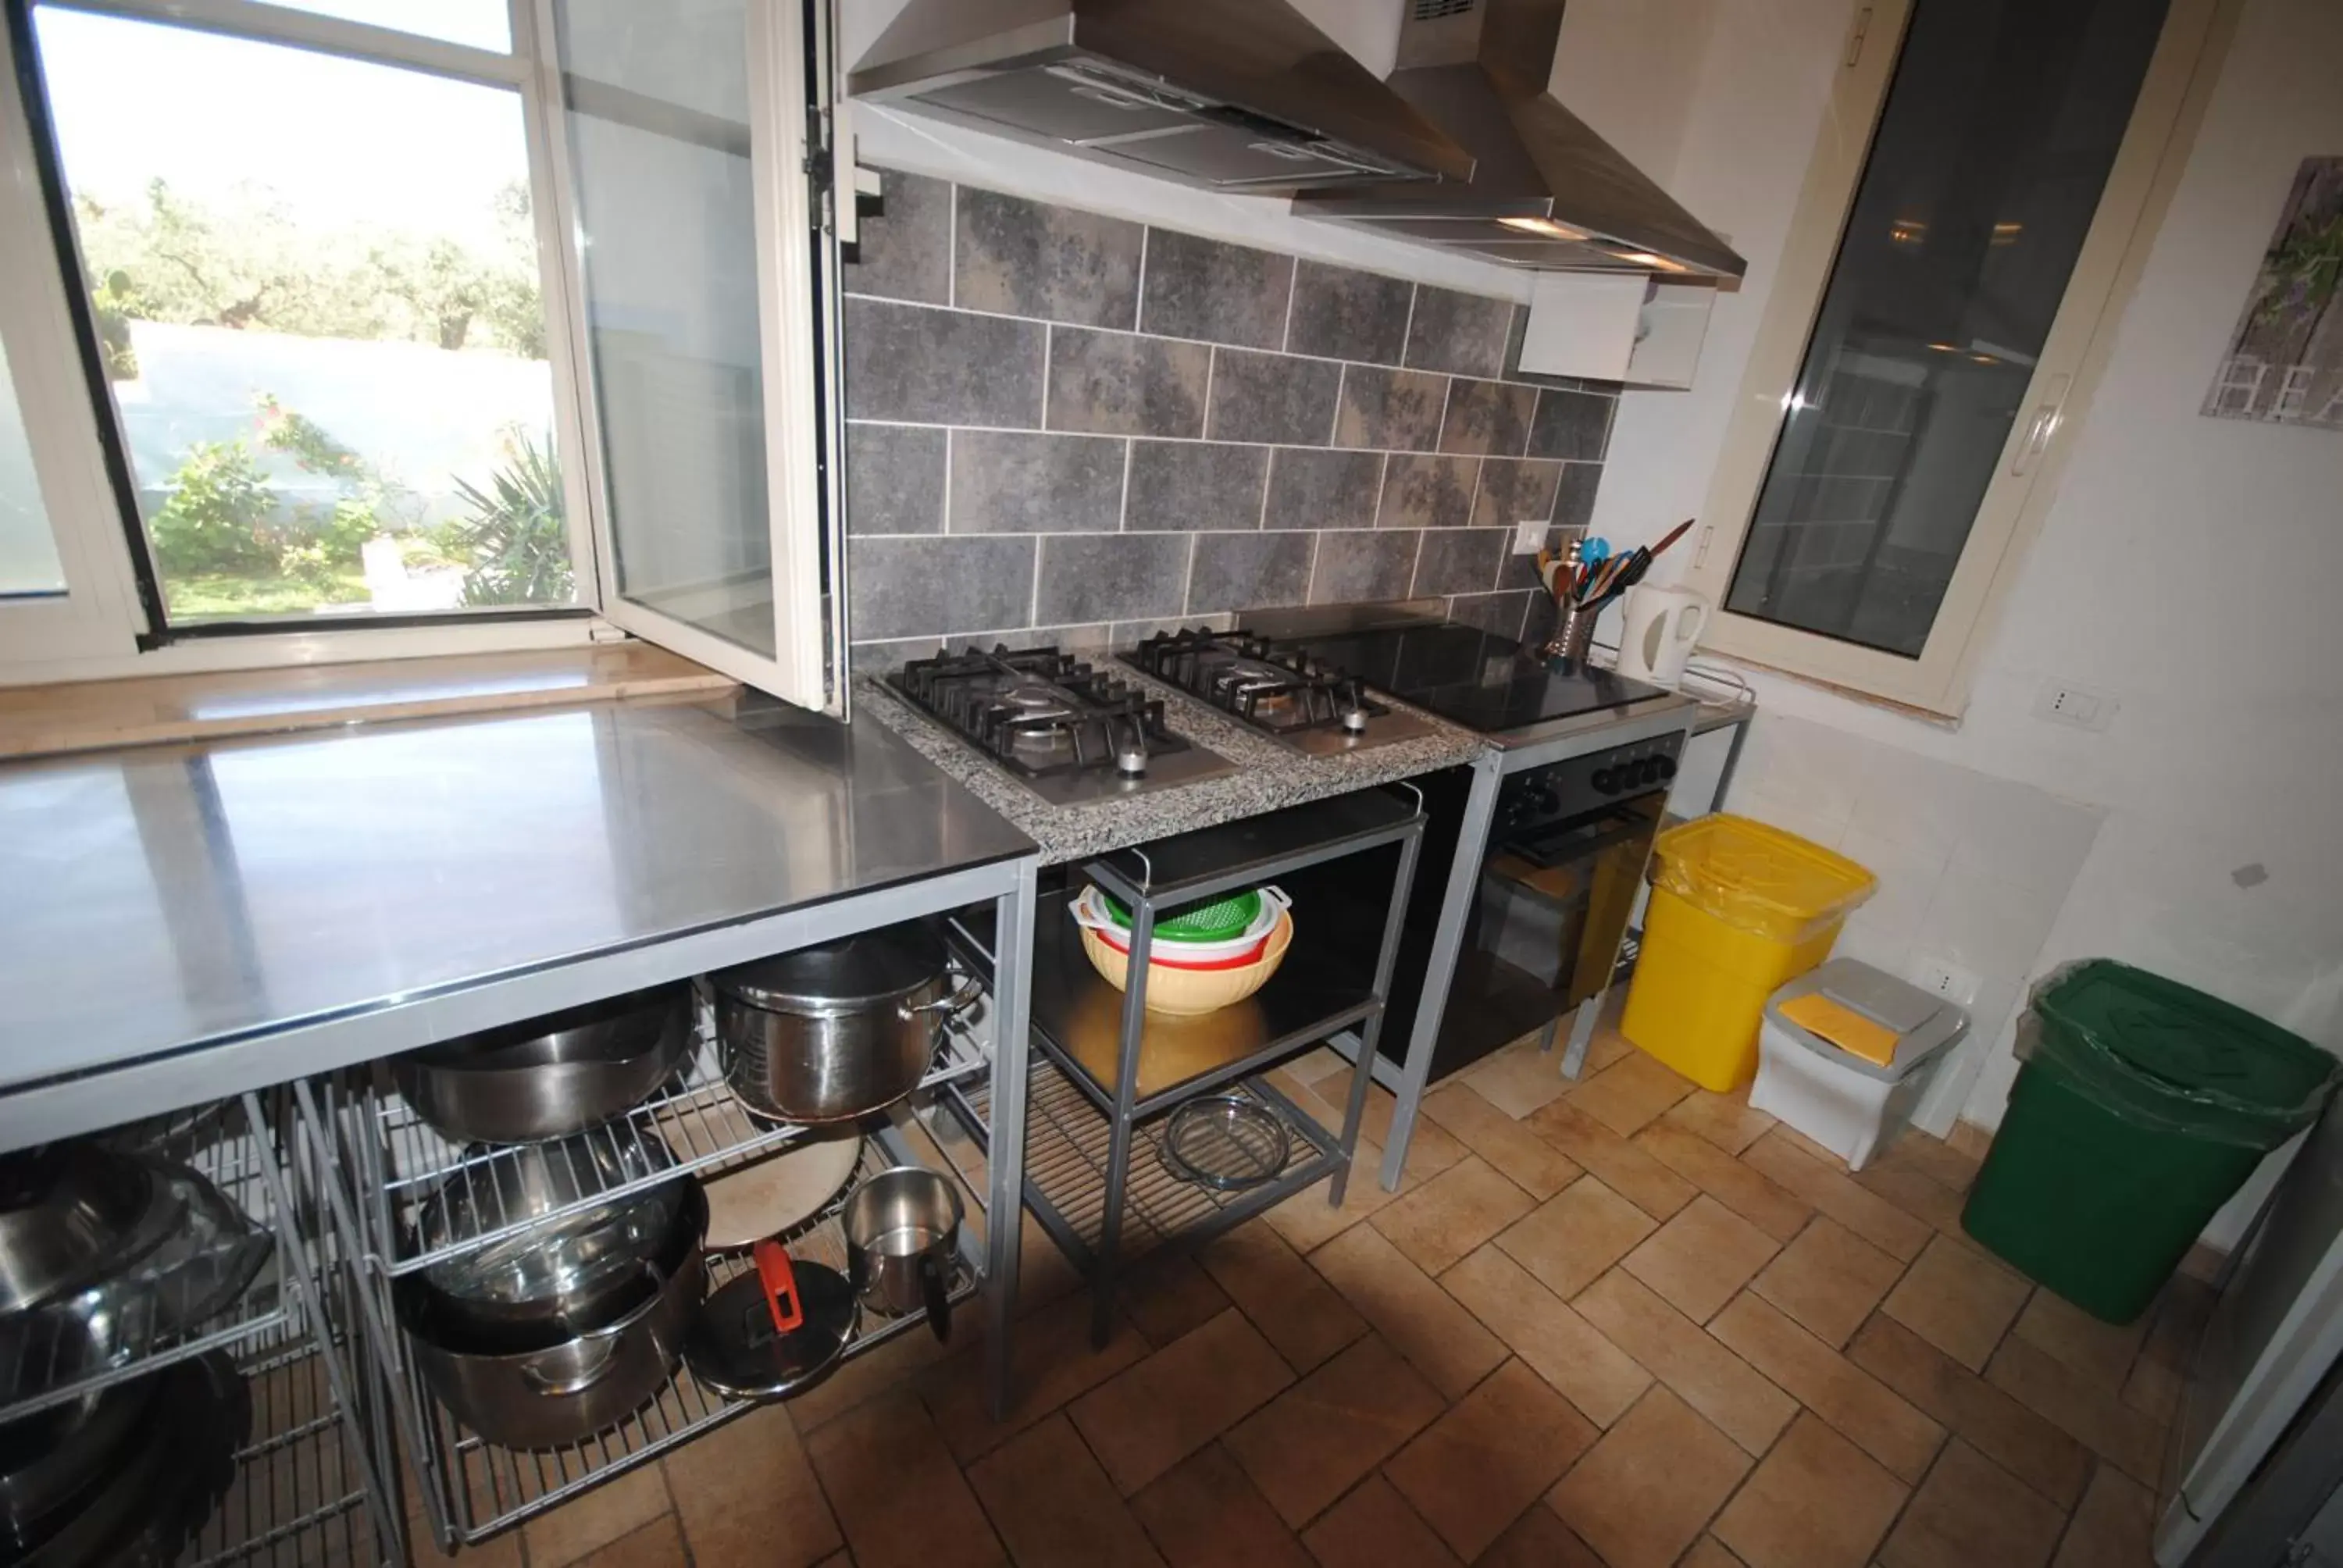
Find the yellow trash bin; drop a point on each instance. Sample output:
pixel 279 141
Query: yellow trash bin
pixel 1737 908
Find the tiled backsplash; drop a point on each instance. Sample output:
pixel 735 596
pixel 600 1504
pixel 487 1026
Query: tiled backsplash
pixel 1063 422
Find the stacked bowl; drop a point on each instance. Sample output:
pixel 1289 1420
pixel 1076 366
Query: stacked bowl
pixel 1199 959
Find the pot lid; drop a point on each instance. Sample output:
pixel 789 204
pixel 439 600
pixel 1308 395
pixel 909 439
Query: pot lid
pixel 873 966
pixel 732 1347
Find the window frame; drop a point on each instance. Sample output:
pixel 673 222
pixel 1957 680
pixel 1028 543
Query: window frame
pixel 2057 399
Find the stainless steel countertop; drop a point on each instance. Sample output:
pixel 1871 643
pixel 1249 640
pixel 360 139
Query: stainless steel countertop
pixel 159 901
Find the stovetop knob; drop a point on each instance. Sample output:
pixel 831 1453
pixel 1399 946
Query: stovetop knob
pixel 1131 760
pixel 1354 719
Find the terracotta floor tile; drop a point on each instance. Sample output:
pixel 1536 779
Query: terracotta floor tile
pixel 892 1365
pixel 747 1492
pixel 1288 1300
pixel 2101 1421
pixel 1473 1472
pixel 1708 1552
pixel 870 1459
pixel 1149 1417
pixel 1419 1319
pixel 1308 1222
pixel 1829 1279
pixel 2100 1353
pixel 1054 1506
pixel 1626 1169
pixel 1934 1157
pixel 597 1518
pixel 1597 1377
pixel 1971 1510
pixel 2176 1325
pixel 1519 1079
pixel 1643 1493
pixel 1167 1295
pixel 1775 1210
pixel 1958 1302
pixel 2113 1527
pixel 1204 1513
pixel 1712 1378
pixel 1968 1138
pixel 2005 1430
pixel 1815 1502
pixel 1915 1194
pixel 1430 1150
pixel 1575 1235
pixel 1520 1155
pixel 1052 1362
pixel 1312 1442
pixel 1699 1260
pixel 1724 1120
pixel 1870 1414
pixel 1631 1093
pixel 1321 1063
pixel 659 1545
pixel 1799 1141
pixel 1452 1213
pixel 1374 1528
pixel 1539 1539
pixel 1840 1196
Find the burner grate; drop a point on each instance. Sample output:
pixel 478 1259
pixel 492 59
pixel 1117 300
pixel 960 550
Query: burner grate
pixel 1038 711
pixel 1280 689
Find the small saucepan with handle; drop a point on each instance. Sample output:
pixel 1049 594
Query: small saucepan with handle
pixel 902 1226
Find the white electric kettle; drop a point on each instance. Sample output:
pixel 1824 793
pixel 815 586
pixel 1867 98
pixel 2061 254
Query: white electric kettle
pixel 1660 626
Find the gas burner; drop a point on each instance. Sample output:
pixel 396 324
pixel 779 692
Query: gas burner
pixel 1070 732
pixel 1308 704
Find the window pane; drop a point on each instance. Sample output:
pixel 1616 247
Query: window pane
pixel 28 552
pixel 1995 143
pixel 323 336
pixel 657 95
pixel 482 24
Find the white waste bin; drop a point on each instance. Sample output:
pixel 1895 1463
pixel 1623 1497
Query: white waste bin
pixel 1848 1103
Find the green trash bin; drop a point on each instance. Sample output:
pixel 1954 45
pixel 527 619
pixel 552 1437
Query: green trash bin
pixel 2141 1105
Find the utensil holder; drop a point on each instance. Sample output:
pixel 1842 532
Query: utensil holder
pixel 1574 638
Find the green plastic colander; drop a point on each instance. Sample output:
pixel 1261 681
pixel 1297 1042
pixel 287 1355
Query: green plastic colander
pixel 1223 920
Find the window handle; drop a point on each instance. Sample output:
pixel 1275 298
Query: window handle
pixel 2041 428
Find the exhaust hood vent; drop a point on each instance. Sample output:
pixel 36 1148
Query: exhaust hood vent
pixel 1239 95
pixel 1546 194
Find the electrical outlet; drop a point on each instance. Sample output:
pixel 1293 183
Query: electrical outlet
pixel 2062 703
pixel 1941 977
pixel 1528 537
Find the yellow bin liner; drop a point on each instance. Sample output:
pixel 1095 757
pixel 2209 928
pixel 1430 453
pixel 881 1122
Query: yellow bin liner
pixel 1738 909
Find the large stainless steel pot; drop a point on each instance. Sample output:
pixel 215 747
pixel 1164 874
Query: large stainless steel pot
pixel 552 1075
pixel 831 1033
pixel 571 1388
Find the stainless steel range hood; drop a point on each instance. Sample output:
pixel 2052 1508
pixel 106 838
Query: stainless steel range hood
pixel 1547 194
pixel 1242 95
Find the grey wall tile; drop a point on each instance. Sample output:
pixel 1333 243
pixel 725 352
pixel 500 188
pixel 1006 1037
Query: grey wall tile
pixel 1032 258
pixel 1345 314
pixel 894 480
pixel 1112 577
pixel 1248 572
pixel 1190 486
pixel 879 657
pixel 1499 612
pixel 1206 288
pixel 1323 489
pixel 1539 622
pixel 1487 416
pixel 1272 397
pixel 1118 385
pixel 906 252
pixel 1459 560
pixel 1464 334
pixel 1427 492
pixel 1573 425
pixel 1513 490
pixel 939 586
pixel 1573 500
pixel 1360 564
pixel 928 366
pixel 1009 482
pixel 1397 410
pixel 1128 632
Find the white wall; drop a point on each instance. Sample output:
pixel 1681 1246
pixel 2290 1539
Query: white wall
pixel 2188 567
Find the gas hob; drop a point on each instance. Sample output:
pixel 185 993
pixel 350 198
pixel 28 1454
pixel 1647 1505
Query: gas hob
pixel 1291 695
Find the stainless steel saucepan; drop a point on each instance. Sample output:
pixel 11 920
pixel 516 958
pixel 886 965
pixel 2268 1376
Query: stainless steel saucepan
pixel 901 1228
pixel 552 1075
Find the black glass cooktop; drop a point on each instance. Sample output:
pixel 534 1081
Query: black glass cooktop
pixel 1473 678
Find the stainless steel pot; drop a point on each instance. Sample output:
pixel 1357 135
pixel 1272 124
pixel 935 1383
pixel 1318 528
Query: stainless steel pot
pixel 567 1390
pixel 901 1228
pixel 831 1033
pixel 69 1213
pixel 552 1075
pixel 49 1459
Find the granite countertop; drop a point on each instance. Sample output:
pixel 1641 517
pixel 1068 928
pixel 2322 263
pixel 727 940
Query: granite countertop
pixel 1268 775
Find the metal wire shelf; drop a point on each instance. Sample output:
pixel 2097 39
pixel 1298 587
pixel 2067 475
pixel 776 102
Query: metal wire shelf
pixel 299 1497
pixel 485 1489
pixel 701 1123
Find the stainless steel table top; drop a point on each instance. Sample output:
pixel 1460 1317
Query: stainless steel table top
pixel 156 900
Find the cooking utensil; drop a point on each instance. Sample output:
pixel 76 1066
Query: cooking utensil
pixel 772 1330
pixel 49 1458
pixel 66 1212
pixel 1670 536
pixel 168 1477
pixel 831 1033
pixel 552 1075
pixel 901 1227
pixel 569 1388
pixel 779 1194
pixel 1225 1141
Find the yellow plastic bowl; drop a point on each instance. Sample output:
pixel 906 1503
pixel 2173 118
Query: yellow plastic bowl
pixel 1190 993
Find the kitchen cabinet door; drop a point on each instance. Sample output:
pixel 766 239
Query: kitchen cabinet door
pixel 703 265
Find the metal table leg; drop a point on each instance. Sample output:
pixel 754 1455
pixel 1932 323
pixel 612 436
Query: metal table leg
pixel 1362 1071
pixel 1582 1030
pixel 1126 1091
pixel 1005 1163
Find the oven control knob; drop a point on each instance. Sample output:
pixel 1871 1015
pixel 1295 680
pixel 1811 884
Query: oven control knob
pixel 1647 771
pixel 1547 801
pixel 1665 766
pixel 1605 780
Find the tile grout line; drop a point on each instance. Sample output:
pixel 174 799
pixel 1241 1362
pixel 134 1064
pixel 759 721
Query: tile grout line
pixel 1407 328
pixel 1049 341
pixel 1293 287
pixel 1139 294
pixel 952 244
pixel 1122 505
pixel 946 527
